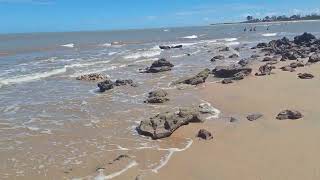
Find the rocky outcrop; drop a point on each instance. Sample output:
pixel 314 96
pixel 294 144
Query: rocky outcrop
pixel 262 45
pixel 289 114
pixel 305 38
pixel 160 65
pixel 164 124
pixel 92 77
pixel 204 134
pixel 243 62
pixel 158 96
pixel 108 84
pixel 225 49
pixel 305 76
pixel 255 116
pixel 264 70
pixel 288 68
pixel 232 71
pixel 195 80
pixel 314 58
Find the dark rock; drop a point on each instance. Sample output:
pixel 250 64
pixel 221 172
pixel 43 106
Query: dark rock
pixel 123 82
pixel 219 57
pixel 226 81
pixel 268 59
pixel 234 56
pixel 198 79
pixel 230 71
pixel 165 47
pixel 314 58
pixel 92 77
pixel 164 124
pixel 264 70
pixel 255 116
pixel 303 39
pixel 177 46
pixel 204 134
pixel 158 96
pixel 225 49
pixel 305 76
pixel 290 56
pixel 262 45
pixel 255 56
pixel 243 62
pixel 296 64
pixel 287 68
pixel 105 85
pixel 160 65
pixel 232 119
pixel 289 114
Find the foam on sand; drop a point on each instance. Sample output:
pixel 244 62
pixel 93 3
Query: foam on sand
pixel 269 34
pixel 101 175
pixel 190 37
pixel 71 45
pixel 171 152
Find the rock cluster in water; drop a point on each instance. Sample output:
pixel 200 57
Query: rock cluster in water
pixel 160 65
pixel 157 96
pixel 92 77
pixel 108 84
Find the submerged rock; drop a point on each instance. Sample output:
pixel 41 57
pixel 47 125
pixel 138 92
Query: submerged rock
pixel 108 84
pixel 305 76
pixel 225 49
pixel 164 124
pixel 234 56
pixel 158 96
pixel 204 134
pixel 268 59
pixel 287 68
pixel 219 57
pixel 170 47
pixel 243 62
pixel 105 85
pixel 160 65
pixel 92 77
pixel 289 114
pixel 195 80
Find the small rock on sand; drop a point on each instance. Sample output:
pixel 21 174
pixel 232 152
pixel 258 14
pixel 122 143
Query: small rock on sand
pixel 204 134
pixel 92 77
pixel 255 116
pixel 289 114
pixel 305 76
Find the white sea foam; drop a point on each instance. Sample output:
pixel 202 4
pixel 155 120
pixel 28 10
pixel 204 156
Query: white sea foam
pixel 230 39
pixel 101 175
pixel 146 60
pixel 171 152
pixel 112 53
pixel 166 30
pixel 269 34
pixel 144 54
pixel 106 44
pixel 71 45
pixel 190 37
pixel 31 77
pixel 232 43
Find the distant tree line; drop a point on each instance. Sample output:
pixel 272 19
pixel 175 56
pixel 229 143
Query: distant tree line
pixel 314 16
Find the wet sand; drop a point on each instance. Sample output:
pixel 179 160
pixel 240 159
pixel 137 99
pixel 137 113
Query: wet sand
pixel 260 150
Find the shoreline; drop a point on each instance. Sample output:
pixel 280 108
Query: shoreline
pixel 225 156
pixel 257 23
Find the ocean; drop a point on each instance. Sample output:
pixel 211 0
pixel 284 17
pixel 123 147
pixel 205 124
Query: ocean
pixel 53 126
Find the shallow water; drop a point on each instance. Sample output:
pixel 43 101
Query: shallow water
pixel 54 126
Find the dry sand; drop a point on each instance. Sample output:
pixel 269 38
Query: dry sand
pixel 265 149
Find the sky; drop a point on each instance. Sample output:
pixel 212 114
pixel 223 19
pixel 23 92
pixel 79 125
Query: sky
pixel 17 16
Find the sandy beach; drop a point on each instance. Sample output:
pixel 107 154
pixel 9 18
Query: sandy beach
pixel 260 150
